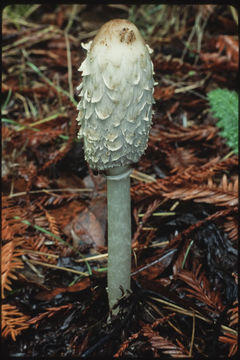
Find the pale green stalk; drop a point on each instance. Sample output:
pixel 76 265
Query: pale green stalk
pixel 119 233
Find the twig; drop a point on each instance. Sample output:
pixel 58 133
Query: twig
pixel 71 18
pixel 32 267
pixel 141 176
pixel 69 63
pixel 27 251
pixel 58 267
pixel 163 213
pixel 187 312
pixel 48 191
pixel 93 258
pixel 193 335
pixel 154 262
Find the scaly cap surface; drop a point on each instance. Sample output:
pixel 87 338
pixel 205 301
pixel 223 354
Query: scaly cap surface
pixel 115 109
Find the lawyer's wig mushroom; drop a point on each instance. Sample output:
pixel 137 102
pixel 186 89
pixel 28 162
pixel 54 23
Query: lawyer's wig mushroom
pixel 115 116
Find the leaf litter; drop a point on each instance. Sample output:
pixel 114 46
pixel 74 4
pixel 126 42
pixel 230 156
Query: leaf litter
pixel 184 192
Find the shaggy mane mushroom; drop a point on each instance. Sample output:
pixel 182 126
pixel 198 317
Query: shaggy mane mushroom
pixel 115 115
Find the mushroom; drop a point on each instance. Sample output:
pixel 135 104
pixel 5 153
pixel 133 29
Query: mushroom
pixel 115 115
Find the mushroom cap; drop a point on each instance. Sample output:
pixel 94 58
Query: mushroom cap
pixel 115 110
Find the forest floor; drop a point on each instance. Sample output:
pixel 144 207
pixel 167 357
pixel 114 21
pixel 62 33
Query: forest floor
pixel 184 192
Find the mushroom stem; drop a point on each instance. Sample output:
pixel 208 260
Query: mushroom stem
pixel 119 233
